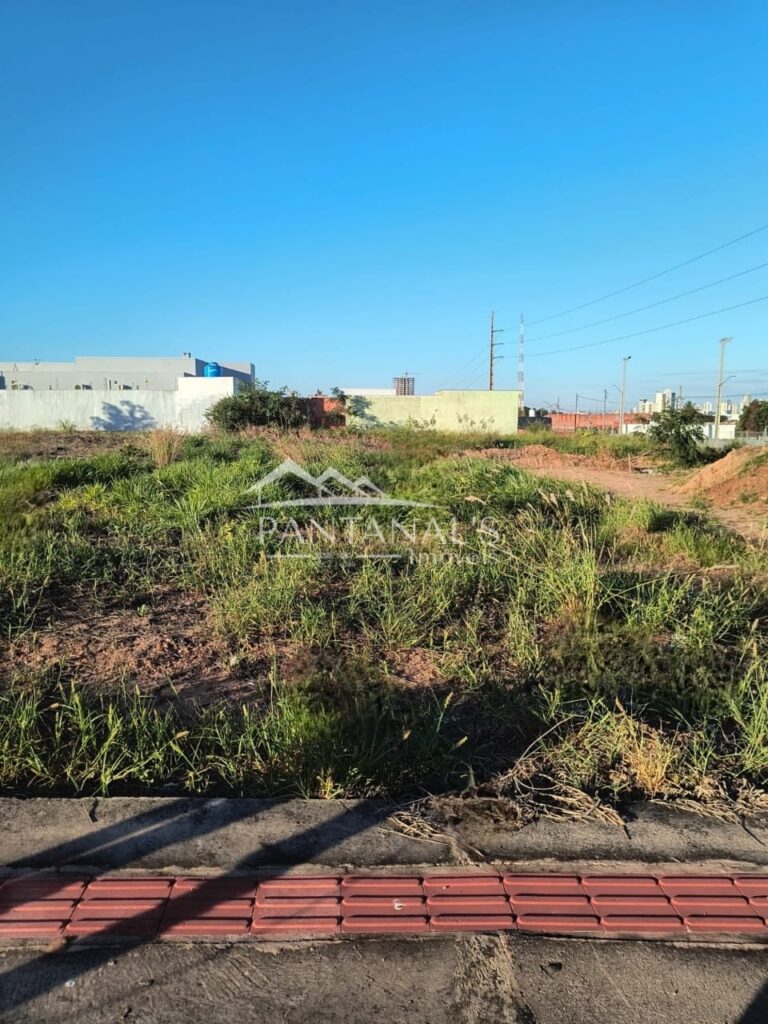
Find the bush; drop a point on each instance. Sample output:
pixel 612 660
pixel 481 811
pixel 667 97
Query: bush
pixel 678 434
pixel 257 406
pixel 754 417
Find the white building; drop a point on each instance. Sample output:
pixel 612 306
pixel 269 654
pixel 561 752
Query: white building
pixel 116 392
pixel 115 373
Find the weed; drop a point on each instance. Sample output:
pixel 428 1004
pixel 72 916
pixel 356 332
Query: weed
pixel 163 445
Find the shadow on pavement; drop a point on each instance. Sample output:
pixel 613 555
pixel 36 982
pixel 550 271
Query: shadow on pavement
pixel 757 1011
pixel 156 829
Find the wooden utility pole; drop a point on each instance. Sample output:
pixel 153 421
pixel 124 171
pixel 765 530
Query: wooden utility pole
pixel 605 409
pixel 492 357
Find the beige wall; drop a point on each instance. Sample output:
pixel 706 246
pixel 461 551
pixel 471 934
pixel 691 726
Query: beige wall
pixel 445 410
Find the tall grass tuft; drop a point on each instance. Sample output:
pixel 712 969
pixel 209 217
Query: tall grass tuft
pixel 163 445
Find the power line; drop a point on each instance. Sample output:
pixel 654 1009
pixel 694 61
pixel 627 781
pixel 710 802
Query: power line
pixel 651 305
pixel 482 354
pixel 651 330
pixel 653 277
pixel 473 367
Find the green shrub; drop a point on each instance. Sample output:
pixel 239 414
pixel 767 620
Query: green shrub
pixel 257 406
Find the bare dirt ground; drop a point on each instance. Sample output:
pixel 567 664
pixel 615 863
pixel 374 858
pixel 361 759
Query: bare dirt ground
pixel 167 648
pixel 59 444
pixel 719 488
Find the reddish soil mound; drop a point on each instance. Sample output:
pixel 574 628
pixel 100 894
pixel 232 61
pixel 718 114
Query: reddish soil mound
pixel 532 456
pixel 541 456
pixel 742 475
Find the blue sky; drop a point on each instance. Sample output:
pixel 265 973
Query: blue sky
pixel 340 191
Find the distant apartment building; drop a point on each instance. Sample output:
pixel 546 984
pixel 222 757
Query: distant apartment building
pixel 662 401
pixel 404 385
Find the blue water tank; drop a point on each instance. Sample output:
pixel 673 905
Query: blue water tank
pixel 212 370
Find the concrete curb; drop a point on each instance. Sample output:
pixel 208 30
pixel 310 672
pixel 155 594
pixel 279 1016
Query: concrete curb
pixel 166 834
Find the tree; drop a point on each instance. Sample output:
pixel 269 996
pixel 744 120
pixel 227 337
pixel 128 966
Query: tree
pixel 754 417
pixel 678 433
pixel 257 406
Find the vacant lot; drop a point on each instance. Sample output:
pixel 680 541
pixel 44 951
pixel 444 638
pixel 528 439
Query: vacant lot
pixel 504 632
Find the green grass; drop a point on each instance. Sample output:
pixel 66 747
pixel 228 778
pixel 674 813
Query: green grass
pixel 625 644
pixel 294 743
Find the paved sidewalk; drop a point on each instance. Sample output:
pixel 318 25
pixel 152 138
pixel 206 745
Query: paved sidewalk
pixel 214 910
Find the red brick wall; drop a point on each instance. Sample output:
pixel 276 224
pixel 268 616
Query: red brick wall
pixel 324 411
pixel 567 422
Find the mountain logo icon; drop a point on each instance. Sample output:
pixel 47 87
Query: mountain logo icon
pixel 331 488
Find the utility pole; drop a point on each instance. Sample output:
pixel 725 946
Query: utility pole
pixel 492 355
pixel 576 414
pixel 723 343
pixel 521 364
pixel 605 410
pixel 624 362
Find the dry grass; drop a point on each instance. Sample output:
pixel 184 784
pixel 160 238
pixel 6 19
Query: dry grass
pixel 163 445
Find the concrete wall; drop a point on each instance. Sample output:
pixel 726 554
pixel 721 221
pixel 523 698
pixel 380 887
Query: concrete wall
pixel 445 410
pixel 112 373
pixel 184 407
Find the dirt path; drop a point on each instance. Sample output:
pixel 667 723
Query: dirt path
pixel 748 520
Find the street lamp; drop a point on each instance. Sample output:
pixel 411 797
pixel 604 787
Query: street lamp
pixel 723 343
pixel 624 362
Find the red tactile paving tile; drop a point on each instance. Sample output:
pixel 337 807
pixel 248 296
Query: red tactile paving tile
pixel 639 923
pixel 41 887
pixel 622 885
pixel 748 885
pixel 317 906
pixel 760 904
pixel 218 927
pixel 129 888
pixel 725 924
pixel 196 909
pixel 558 923
pixel 526 904
pixel 632 906
pixel 114 910
pixel 718 906
pixel 45 906
pixel 384 885
pixel 294 887
pixel 698 885
pixel 472 923
pixel 112 927
pixel 382 906
pixel 30 929
pixel 544 885
pixel 286 926
pixel 214 888
pixel 473 905
pixel 463 885
pixel 373 925
pixel 37 910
